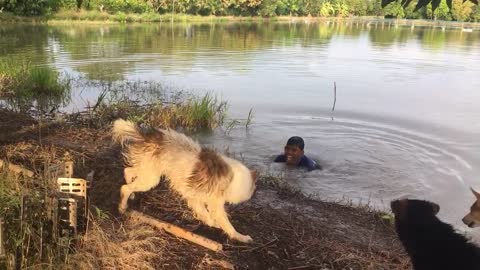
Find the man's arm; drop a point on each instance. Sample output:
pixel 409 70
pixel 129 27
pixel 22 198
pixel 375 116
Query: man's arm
pixel 312 165
pixel 280 158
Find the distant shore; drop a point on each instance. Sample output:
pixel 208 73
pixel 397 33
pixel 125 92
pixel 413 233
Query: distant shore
pixel 95 17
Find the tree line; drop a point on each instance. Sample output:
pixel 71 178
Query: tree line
pixel 457 10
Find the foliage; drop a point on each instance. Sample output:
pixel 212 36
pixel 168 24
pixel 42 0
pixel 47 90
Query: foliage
pixel 395 10
pixel 327 9
pixel 342 9
pixel 424 3
pixel 476 14
pixel 441 13
pixel 30 7
pixel 461 10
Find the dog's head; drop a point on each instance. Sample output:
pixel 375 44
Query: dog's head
pixel 243 183
pixel 414 211
pixel 472 219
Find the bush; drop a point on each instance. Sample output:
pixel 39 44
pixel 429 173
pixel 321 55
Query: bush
pixel 30 7
pixel 268 8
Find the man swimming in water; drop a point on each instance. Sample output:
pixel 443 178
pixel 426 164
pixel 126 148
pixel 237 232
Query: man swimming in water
pixel 294 155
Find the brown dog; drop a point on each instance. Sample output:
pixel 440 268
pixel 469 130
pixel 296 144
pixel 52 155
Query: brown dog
pixel 472 219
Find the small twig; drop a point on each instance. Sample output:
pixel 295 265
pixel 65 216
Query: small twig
pixel 2 238
pixel 249 118
pixel 215 262
pixel 334 96
pixel 262 246
pixel 40 129
pixel 300 267
pixel 41 240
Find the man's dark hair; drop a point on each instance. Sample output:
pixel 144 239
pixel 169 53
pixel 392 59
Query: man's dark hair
pixel 297 141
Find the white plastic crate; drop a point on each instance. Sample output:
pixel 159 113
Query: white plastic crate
pixel 68 212
pixel 76 186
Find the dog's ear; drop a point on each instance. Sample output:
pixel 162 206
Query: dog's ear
pixel 254 175
pixel 436 208
pixel 477 195
pixel 399 208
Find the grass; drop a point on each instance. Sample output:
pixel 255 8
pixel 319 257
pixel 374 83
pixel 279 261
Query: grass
pixel 83 15
pixel 188 112
pixel 204 113
pixel 25 213
pixel 152 103
pixel 229 125
pixel 7 17
pixel 11 75
pixel 151 17
pixel 95 16
pixel 24 86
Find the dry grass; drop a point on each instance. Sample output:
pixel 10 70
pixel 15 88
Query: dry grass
pixel 112 246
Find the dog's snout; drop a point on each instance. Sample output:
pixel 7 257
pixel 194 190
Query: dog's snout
pixel 467 220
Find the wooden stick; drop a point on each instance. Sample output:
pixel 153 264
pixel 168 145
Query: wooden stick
pixel 177 231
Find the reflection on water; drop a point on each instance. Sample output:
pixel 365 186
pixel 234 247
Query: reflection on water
pixel 407 121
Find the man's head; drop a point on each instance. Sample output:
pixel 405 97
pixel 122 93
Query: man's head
pixel 294 150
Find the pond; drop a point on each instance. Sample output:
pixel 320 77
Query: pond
pixel 407 115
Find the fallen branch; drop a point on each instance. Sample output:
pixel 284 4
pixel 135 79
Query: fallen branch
pixel 177 231
pixel 17 169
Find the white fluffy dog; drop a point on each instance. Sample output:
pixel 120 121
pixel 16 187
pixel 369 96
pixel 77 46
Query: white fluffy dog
pixel 205 179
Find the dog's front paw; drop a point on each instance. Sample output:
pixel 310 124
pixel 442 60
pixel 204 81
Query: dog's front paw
pixel 212 223
pixel 242 238
pixel 122 210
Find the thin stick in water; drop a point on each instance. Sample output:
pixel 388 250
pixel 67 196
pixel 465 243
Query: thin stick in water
pixel 334 95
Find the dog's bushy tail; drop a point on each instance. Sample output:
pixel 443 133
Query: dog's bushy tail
pixel 125 131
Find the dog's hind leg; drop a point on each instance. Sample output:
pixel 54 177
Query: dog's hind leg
pixel 130 175
pixel 141 184
pixel 217 210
